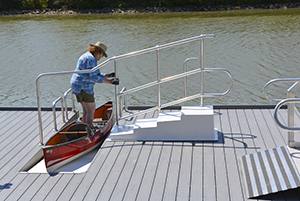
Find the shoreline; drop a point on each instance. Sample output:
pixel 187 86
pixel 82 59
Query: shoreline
pixel 207 7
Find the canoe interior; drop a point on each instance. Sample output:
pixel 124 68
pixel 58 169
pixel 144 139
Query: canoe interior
pixel 67 134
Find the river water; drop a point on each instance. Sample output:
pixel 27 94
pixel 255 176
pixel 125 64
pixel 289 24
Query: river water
pixel 255 46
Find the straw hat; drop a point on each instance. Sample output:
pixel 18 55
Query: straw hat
pixel 101 47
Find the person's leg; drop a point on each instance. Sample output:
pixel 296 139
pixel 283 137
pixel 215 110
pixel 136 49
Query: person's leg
pixel 88 112
pixel 84 112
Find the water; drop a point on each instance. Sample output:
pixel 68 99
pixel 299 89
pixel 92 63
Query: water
pixel 255 46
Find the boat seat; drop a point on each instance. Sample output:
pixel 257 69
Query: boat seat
pixel 100 121
pixel 76 131
pixel 107 113
pixel 77 127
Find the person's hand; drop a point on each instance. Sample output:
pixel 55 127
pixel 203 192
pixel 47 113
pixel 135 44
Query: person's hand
pixel 115 81
pixel 113 74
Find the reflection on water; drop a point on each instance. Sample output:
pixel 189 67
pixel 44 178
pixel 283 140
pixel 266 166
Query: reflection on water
pixel 255 46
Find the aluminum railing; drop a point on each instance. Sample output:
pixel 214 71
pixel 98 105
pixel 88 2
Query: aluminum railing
pixel 64 108
pixel 158 82
pixel 185 99
pixel 54 111
pixel 290 101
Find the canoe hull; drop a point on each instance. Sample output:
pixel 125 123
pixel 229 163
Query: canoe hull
pixel 57 155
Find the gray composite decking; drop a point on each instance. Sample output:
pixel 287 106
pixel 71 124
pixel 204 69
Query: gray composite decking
pixel 134 170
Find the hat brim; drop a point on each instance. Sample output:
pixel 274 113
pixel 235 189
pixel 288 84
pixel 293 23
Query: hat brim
pixel 104 53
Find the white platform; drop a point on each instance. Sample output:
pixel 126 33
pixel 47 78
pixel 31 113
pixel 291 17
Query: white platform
pixel 192 123
pixel 79 165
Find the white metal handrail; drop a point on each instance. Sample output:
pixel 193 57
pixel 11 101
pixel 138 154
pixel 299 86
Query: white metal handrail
pixel 278 106
pixel 115 60
pixel 159 81
pixel 54 111
pixel 65 101
pixel 290 101
pixel 185 99
pixel 275 81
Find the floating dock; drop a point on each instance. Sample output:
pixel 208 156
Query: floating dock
pixel 166 152
pixel 147 170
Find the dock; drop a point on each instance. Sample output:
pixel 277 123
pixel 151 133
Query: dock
pixel 145 170
pixel 169 151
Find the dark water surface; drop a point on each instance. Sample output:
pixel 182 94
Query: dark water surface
pixel 255 46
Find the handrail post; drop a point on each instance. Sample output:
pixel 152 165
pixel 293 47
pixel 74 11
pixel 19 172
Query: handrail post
pixel 39 110
pixel 291 107
pixel 116 92
pixel 54 111
pixel 65 101
pixel 158 80
pixel 290 101
pixel 291 136
pixel 121 101
pixel 185 80
pixel 202 73
pixel 185 77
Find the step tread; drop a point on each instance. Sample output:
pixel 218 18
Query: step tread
pixel 169 116
pixel 197 110
pixel 145 123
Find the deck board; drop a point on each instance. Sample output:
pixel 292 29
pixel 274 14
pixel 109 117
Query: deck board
pixel 104 166
pixel 138 173
pixel 150 170
pixel 132 170
pixel 183 189
pixel 12 120
pixel 46 187
pixel 23 151
pixel 157 190
pixel 15 137
pixel 58 187
pixel 235 190
pixel 209 169
pixel 124 177
pixel 173 172
pixel 105 184
pixel 196 192
pixel 220 161
pixel 13 161
pixel 70 188
pixel 8 116
pixel 40 183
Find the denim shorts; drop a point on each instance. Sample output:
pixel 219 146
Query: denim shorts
pixel 85 97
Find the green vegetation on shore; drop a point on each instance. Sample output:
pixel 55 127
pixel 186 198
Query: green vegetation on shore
pixel 99 4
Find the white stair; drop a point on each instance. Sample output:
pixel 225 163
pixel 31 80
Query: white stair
pixel 192 123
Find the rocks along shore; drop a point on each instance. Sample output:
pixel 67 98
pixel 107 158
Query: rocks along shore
pixel 207 7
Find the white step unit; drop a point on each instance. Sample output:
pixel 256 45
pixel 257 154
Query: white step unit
pixel 192 123
pixel 198 123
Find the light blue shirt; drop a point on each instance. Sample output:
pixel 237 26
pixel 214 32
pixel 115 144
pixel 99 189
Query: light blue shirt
pixel 86 81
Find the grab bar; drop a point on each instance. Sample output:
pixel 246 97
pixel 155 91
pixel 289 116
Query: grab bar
pixel 202 84
pixel 291 100
pixel 54 111
pixel 278 106
pixel 184 70
pixel 65 101
pixel 278 80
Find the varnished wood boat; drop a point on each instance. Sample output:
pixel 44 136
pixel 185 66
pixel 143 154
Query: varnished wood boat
pixel 76 139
